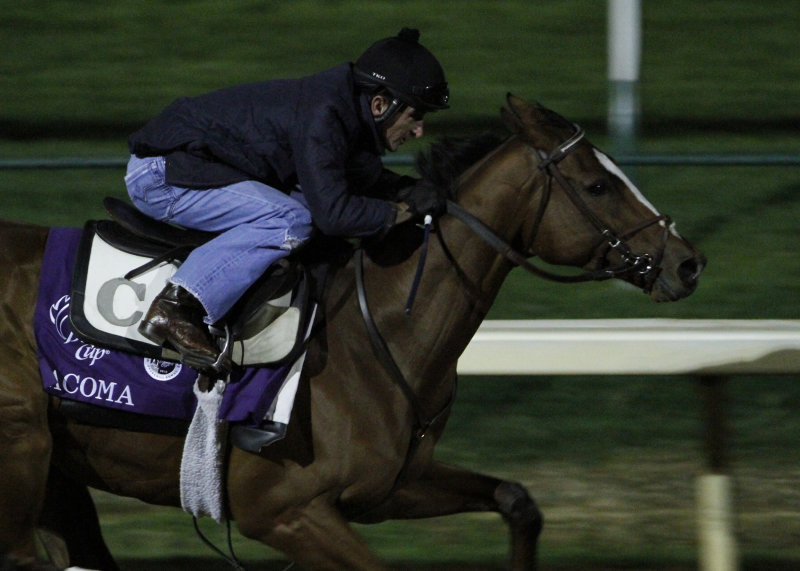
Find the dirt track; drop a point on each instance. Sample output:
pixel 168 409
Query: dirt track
pixel 641 509
pixel 214 564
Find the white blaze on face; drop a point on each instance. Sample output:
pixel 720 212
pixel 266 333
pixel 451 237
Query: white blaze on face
pixel 611 167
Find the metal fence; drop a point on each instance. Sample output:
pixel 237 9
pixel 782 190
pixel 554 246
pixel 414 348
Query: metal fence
pixel 704 159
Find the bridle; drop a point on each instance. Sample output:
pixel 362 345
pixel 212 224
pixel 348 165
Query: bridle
pixel 645 265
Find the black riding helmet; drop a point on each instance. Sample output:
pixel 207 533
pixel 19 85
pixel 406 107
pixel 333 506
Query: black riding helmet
pixel 407 70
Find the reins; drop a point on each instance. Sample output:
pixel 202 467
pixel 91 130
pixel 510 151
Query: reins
pixel 644 264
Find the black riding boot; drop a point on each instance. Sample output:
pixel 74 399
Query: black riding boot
pixel 176 317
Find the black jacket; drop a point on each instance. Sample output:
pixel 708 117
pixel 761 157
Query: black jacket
pixel 315 131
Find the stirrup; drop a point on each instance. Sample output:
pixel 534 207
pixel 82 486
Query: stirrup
pixel 222 366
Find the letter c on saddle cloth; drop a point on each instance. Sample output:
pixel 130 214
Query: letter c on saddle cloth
pixel 105 301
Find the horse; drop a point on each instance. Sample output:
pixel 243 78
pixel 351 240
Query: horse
pixel 378 380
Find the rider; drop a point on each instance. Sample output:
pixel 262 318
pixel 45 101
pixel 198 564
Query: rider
pixel 265 163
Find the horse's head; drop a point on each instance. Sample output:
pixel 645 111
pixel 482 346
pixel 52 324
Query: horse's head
pixel 587 213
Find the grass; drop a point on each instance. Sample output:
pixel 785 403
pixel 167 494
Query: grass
pixel 88 71
pixel 612 461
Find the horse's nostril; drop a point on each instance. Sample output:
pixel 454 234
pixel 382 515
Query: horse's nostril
pixel 690 270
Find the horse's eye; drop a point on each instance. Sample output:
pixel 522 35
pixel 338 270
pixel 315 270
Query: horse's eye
pixel 597 188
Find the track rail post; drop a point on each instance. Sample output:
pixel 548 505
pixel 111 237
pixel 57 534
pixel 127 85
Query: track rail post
pixel 717 542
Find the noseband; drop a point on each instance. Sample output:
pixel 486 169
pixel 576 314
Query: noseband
pixel 646 265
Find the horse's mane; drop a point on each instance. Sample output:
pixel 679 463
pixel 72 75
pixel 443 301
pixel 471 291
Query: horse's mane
pixel 448 158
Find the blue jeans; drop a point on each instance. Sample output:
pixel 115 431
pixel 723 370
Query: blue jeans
pixel 259 226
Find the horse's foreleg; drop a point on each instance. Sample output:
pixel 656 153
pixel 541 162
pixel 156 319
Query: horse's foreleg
pixel 314 536
pixel 445 490
pixel 525 522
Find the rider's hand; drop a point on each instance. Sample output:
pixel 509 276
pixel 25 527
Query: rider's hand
pixel 404 213
pixel 424 198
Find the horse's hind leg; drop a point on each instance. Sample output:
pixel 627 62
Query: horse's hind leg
pixel 446 490
pixel 70 514
pixel 25 443
pixel 25 447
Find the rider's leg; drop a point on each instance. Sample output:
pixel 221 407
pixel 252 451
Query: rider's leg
pixel 259 225
pixel 175 317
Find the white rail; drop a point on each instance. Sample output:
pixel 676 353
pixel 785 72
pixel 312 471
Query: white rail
pixel 634 347
pixel 708 349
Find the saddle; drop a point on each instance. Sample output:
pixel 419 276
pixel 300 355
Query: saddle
pixel 124 262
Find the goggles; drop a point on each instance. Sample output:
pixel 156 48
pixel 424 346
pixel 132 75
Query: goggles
pixel 432 96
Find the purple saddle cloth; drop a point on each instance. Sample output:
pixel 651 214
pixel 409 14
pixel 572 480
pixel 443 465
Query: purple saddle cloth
pixel 75 370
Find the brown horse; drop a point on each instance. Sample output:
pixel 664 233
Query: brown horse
pixel 359 447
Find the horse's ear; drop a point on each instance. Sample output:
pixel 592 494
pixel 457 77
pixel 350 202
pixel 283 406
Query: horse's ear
pixel 517 104
pixel 533 112
pixel 528 120
pixel 511 121
pixel 511 115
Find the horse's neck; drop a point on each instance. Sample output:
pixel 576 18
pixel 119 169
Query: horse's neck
pixel 461 280
pixel 491 189
pixel 454 294
pixel 497 192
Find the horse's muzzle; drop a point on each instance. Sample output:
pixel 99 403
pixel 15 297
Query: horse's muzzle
pixel 680 282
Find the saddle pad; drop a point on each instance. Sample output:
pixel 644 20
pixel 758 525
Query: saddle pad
pixel 117 275
pixel 75 370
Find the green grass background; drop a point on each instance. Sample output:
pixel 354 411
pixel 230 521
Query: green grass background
pixel 612 461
